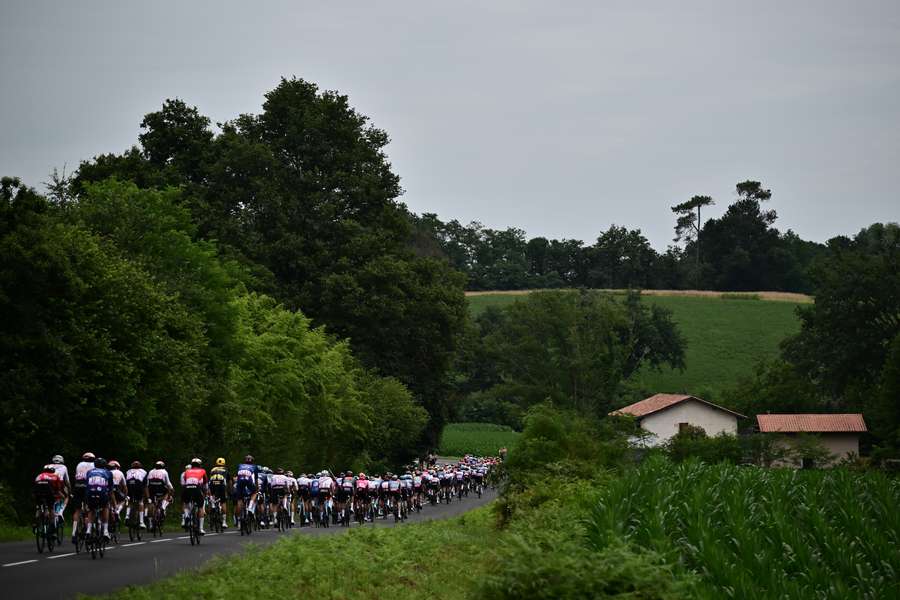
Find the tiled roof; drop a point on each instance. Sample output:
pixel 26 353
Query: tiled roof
pixel 660 402
pixel 811 423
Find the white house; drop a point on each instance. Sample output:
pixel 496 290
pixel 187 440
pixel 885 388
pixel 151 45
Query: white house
pixel 664 415
pixel 837 433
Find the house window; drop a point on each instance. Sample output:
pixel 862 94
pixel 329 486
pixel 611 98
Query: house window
pixel 683 427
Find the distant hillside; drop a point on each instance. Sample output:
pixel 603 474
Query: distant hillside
pixel 726 335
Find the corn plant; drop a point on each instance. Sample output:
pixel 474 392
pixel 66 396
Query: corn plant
pixel 759 533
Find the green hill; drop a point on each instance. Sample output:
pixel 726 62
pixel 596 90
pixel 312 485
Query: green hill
pixel 726 338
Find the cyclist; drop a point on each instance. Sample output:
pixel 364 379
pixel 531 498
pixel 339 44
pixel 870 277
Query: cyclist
pixel 245 486
pixel 136 485
pixel 59 467
pixel 326 491
pixel 293 490
pixel 194 487
pixel 49 490
pixel 278 488
pixel 219 484
pixel 345 492
pixel 79 488
pixel 119 490
pixel 99 488
pixel 417 488
pixel 362 495
pixel 159 489
pixel 304 484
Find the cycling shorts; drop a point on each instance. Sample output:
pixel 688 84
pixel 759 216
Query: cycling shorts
pixel 244 488
pixel 219 491
pixel 97 499
pixel 343 495
pixel 304 493
pixel 192 494
pixel 276 494
pixel 78 493
pixel 157 490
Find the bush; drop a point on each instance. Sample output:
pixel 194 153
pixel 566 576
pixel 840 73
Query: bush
pixel 693 442
pixel 541 566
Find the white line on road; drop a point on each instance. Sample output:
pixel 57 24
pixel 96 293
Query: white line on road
pixel 60 556
pixel 24 562
pixel 230 533
pixel 211 534
pixel 132 544
pixel 161 540
pixel 184 537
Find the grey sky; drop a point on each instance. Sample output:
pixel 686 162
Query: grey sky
pixel 560 118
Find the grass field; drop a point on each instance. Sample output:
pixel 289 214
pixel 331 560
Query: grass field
pixel 726 338
pixel 483 439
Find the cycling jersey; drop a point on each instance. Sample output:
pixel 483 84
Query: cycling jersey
pixel 48 487
pixel 158 482
pixel 63 473
pixel 245 479
pixel 278 482
pixel 80 484
pixel 136 477
pixel 326 485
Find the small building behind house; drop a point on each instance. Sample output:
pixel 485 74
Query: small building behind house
pixel 838 434
pixel 664 415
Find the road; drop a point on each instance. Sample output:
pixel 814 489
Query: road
pixel 63 574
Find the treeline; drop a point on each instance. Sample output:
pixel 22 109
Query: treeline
pixel 251 289
pixel 740 251
pixel 124 334
pixel 846 357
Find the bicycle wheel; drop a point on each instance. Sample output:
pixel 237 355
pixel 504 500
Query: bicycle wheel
pixel 39 534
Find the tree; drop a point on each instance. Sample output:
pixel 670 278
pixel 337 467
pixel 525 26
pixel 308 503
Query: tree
pixel 575 349
pixel 303 195
pixel 689 224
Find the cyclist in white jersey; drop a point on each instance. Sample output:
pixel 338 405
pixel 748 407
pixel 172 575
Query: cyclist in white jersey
pixel 79 489
pixel 59 467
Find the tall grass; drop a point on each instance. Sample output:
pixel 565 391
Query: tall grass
pixel 753 533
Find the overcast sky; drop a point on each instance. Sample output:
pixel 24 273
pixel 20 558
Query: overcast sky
pixel 557 117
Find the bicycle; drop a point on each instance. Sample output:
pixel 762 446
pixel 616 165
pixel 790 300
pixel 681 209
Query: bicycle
pixel 95 542
pixel 193 524
pixel 158 519
pixel 214 512
pixel 134 521
pixel 81 535
pixel 44 527
pixel 246 525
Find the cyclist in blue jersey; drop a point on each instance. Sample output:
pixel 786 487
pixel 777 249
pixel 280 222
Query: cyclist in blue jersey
pixel 99 487
pixel 245 486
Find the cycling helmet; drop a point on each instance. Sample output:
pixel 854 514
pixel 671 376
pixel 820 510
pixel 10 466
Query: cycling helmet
pixel 196 461
pixel 136 464
pixel 114 464
pixel 186 467
pixel 49 469
pixel 100 463
pixel 248 459
pixel 348 474
pixel 57 459
pixel 88 456
pixel 362 475
pixel 220 462
pixel 289 473
pixel 279 471
pixel 160 464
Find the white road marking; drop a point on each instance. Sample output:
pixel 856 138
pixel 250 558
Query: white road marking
pixel 230 533
pixel 60 555
pixel 211 534
pixel 24 562
pixel 132 544
pixel 184 537
pixel 161 540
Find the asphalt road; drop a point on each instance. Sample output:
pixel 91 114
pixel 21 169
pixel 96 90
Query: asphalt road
pixel 26 574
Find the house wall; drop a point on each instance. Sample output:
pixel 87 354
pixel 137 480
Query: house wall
pixel 838 444
pixel 665 422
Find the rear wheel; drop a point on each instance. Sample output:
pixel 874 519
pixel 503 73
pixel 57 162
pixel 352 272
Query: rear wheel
pixel 39 534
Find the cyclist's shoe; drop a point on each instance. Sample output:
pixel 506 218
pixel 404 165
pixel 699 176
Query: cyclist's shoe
pixel 224 523
pixel 74 539
pixel 143 525
pixel 202 532
pixel 106 536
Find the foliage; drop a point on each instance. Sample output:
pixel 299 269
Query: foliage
pixel 725 340
pixel 573 349
pixel 482 439
pixel 304 196
pixel 754 533
pixel 692 442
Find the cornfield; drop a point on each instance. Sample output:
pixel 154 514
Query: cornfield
pixel 754 533
pixel 483 439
